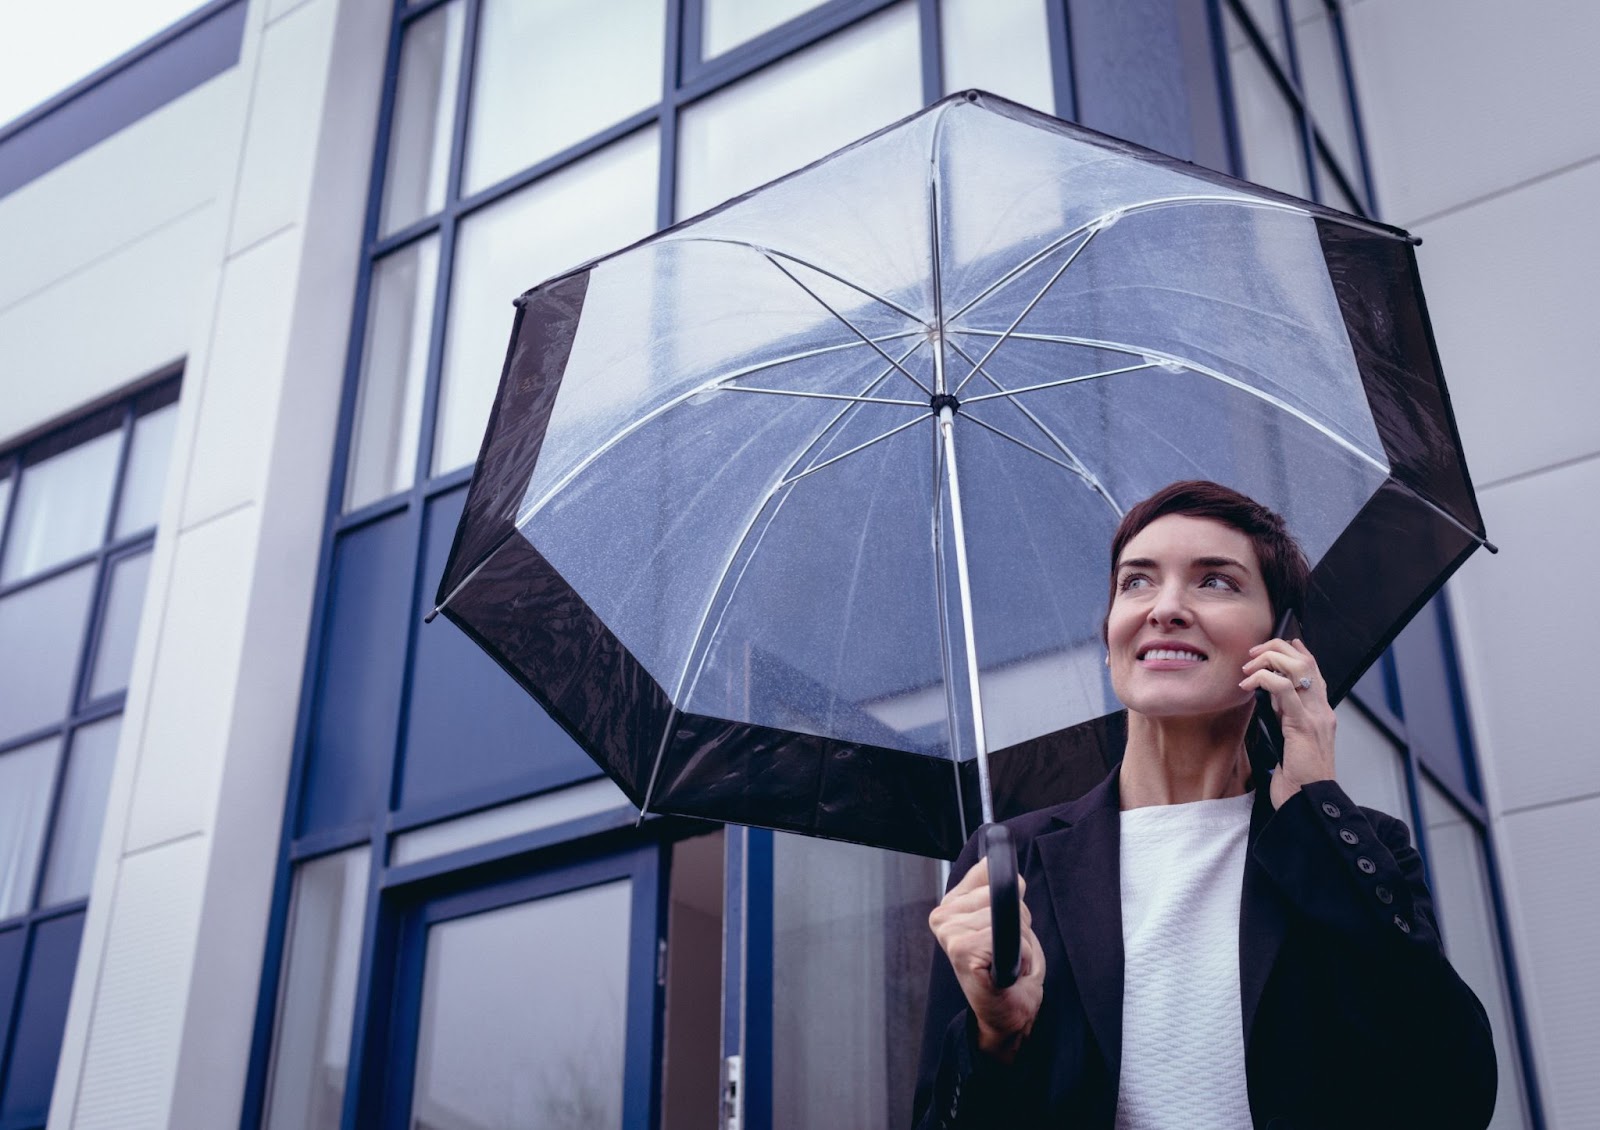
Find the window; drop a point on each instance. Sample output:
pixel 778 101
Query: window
pixel 78 508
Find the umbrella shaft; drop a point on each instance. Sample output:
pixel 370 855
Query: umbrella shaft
pixel 964 587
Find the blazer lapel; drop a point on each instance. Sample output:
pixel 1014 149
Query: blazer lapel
pixel 1082 868
pixel 1263 921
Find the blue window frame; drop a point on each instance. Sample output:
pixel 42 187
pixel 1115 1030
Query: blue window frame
pixel 77 521
pixel 404 729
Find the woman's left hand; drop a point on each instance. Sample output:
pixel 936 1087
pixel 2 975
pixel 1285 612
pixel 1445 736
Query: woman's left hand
pixel 1288 672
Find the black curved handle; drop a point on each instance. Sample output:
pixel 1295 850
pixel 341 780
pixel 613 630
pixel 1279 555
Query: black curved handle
pixel 1005 906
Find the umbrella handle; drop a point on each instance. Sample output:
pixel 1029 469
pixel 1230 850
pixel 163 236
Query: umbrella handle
pixel 1005 907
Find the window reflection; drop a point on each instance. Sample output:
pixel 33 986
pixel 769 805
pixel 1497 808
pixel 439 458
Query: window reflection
pixel 316 997
pixel 728 23
pixel 145 479
pixel 61 507
pixel 505 1042
pixel 603 202
pixel 1369 765
pixel 825 97
pixel 383 451
pixel 26 776
pixel 550 74
pixel 76 837
pixel 851 951
pixel 1464 904
pixel 1269 129
pixel 424 115
pixel 42 629
pixel 1001 46
pixel 119 625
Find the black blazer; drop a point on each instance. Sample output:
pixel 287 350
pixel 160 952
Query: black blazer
pixel 1352 1016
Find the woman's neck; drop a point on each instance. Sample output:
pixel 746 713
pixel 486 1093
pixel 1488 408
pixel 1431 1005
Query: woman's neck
pixel 1177 760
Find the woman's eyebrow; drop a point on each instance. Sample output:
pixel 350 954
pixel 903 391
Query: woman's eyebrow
pixel 1219 563
pixel 1137 563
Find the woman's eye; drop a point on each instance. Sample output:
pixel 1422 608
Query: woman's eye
pixel 1220 580
pixel 1132 581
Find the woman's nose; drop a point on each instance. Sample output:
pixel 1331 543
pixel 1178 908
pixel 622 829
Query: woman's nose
pixel 1170 607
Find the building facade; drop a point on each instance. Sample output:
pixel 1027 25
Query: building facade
pixel 275 854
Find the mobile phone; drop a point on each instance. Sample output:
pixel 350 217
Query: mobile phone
pixel 1266 753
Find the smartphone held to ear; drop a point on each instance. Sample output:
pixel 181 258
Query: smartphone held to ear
pixel 1266 753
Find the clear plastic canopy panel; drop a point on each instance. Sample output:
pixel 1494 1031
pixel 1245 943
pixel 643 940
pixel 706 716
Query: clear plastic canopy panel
pixel 741 473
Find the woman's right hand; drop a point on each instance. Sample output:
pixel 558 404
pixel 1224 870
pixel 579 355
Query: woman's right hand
pixel 961 923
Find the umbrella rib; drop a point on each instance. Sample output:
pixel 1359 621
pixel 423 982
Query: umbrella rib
pixel 819 395
pixel 1011 392
pixel 854 450
pixel 1106 219
pixel 1079 468
pixel 1157 358
pixel 842 281
pixel 1022 443
pixel 744 536
pixel 712 385
pixel 1026 310
pixel 792 277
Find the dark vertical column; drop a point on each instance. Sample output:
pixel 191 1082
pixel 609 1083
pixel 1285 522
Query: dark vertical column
pixel 1145 70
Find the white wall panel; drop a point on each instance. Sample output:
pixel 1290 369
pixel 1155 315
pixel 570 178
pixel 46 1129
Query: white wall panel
pixel 129 313
pixel 1513 285
pixel 1462 98
pixel 1524 617
pixel 164 166
pixel 190 703
pixel 1555 889
pixel 243 376
pixel 281 130
pixel 138 1009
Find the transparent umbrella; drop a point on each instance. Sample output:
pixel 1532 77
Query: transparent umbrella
pixel 796 514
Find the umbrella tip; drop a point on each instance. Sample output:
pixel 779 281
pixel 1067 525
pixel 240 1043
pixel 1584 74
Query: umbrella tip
pixel 1490 546
pixel 428 619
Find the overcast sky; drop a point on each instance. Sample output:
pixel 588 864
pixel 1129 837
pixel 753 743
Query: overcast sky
pixel 47 45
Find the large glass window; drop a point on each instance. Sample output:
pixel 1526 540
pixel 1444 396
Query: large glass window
pixel 1293 115
pixel 826 96
pixel 522 139
pixel 78 508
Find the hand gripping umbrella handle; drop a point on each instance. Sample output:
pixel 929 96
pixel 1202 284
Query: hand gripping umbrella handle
pixel 1005 907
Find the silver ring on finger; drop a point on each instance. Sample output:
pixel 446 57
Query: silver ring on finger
pixel 1304 683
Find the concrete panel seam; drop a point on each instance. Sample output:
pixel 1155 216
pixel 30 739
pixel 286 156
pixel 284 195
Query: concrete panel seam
pixel 1527 182
pixel 1576 798
pixel 144 849
pixel 1521 476
pixel 108 253
pixel 258 241
pixel 209 518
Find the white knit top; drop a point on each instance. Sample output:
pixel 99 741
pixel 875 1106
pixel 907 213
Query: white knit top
pixel 1182 1027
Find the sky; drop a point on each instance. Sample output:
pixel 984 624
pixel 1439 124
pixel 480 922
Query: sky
pixel 48 45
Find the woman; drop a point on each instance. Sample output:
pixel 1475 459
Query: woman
pixel 1196 954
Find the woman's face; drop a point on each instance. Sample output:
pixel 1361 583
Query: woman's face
pixel 1189 605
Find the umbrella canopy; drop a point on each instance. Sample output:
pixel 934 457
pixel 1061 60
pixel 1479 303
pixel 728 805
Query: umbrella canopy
pixel 793 512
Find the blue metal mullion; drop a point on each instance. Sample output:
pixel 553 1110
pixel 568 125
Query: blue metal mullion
pixel 252 1116
pixel 50 574
pixel 1308 146
pixel 14 476
pixel 1513 983
pixel 449 224
pixel 1063 74
pixel 771 46
pixel 691 35
pixel 930 35
pixel 8 1024
pixel 364 1066
pixel 1224 69
pixel 667 112
pixel 1336 18
pixel 1419 830
pixel 758 949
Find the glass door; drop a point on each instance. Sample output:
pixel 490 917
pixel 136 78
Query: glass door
pixel 529 1002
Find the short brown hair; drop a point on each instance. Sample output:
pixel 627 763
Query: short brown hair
pixel 1283 564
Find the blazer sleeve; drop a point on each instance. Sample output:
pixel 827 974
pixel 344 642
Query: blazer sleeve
pixel 959 1086
pixel 1354 872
